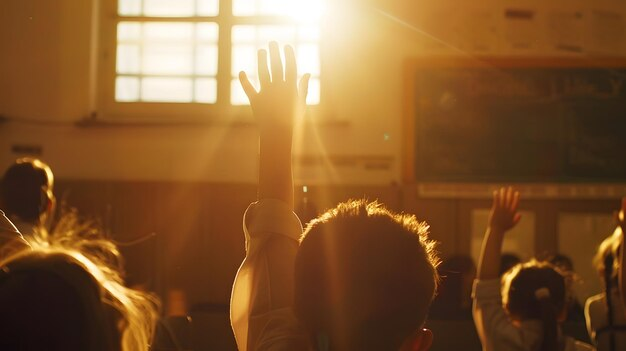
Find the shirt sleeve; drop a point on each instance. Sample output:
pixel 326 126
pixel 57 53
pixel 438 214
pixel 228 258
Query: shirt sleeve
pixel 492 323
pixel 262 294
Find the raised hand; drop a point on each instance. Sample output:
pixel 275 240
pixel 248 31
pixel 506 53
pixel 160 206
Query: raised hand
pixel 279 99
pixel 504 215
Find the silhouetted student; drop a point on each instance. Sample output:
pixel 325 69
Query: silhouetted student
pixel 364 277
pixel 524 313
pixel 64 292
pixel 454 296
pixel 26 194
pixel 605 329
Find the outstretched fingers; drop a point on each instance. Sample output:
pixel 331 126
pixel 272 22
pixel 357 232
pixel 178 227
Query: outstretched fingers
pixel 264 73
pixel 248 88
pixel 291 69
pixel 276 62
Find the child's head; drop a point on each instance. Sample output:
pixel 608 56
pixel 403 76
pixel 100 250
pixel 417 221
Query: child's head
pixel 536 290
pixel 26 189
pixel 609 248
pixel 364 277
pixel 64 292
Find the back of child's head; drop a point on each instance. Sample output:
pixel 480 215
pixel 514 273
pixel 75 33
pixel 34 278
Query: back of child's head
pixel 609 249
pixel 537 291
pixel 64 292
pixel 364 277
pixel 26 189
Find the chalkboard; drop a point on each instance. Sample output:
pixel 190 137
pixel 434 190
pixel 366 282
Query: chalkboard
pixel 524 120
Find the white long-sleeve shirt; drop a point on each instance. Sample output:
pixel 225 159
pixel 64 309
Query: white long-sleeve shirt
pixel 261 311
pixel 498 333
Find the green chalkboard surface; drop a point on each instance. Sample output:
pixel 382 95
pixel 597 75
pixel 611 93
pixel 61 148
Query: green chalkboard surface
pixel 530 121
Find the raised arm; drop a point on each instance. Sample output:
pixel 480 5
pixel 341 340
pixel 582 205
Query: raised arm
pixel 274 107
pixel 262 294
pixel 502 218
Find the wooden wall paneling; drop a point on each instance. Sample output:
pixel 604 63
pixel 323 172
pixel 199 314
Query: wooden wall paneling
pixel 92 199
pixel 182 232
pixel 134 228
pixel 225 245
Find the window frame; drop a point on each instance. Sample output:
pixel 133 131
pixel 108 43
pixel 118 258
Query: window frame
pixel 221 110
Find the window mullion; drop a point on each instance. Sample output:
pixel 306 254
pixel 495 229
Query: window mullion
pixel 224 53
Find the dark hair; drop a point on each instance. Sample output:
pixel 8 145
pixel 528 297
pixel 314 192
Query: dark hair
pixel 537 290
pixel 364 276
pixel 25 189
pixel 64 291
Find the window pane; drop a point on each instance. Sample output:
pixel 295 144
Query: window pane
pixel 161 31
pixel 206 90
pixel 308 34
pixel 128 31
pixel 300 9
pixel 166 59
pixel 313 96
pixel 169 8
pixel 207 32
pixel 244 59
pixel 237 95
pixel 126 89
pixel 308 57
pixel 166 89
pixel 128 59
pixel 208 7
pixel 206 60
pixel 244 7
pixel 129 7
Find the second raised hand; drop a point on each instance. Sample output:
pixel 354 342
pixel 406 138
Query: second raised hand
pixel 280 98
pixel 504 215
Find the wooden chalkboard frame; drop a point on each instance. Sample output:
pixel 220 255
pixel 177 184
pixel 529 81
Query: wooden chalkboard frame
pixel 413 65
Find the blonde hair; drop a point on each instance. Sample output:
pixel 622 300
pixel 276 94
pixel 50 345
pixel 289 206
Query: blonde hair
pixel 81 244
pixel 609 246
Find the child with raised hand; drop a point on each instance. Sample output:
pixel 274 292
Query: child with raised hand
pixel 523 312
pixel 262 296
pixel 362 277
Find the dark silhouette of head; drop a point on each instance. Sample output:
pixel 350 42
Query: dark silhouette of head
pixel 537 290
pixel 26 190
pixel 63 292
pixel 364 277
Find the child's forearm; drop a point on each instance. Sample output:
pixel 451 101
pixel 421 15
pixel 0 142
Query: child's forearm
pixel 489 261
pixel 275 174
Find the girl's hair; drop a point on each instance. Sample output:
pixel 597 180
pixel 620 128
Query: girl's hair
pixel 609 247
pixel 536 290
pixel 76 267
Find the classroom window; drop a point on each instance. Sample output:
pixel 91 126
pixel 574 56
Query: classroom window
pixel 190 51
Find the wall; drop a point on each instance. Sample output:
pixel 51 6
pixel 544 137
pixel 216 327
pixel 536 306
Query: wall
pixel 47 66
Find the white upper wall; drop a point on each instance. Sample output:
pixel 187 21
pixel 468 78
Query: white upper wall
pixel 48 57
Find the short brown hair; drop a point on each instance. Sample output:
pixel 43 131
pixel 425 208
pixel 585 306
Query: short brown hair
pixel 364 276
